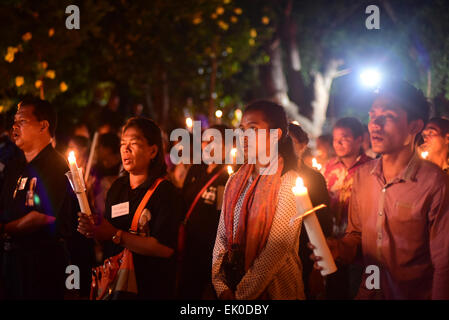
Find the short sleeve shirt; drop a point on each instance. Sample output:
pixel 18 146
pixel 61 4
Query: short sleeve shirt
pixel 161 219
pixel 40 185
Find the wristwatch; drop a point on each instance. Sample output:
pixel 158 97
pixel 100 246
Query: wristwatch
pixel 117 238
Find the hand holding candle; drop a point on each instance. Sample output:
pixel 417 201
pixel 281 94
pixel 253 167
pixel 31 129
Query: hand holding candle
pixel 313 229
pixel 76 180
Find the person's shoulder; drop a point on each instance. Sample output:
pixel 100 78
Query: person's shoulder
pixel 431 172
pixel 57 160
pixel 118 183
pixel 288 179
pixel 167 186
pixel 310 173
pixel 368 165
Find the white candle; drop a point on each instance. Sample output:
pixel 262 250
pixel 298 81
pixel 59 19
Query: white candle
pixel 91 156
pixel 78 184
pixel 313 229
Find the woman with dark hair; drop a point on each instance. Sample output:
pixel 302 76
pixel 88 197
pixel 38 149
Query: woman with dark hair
pixel 256 248
pixel 316 186
pixel 154 244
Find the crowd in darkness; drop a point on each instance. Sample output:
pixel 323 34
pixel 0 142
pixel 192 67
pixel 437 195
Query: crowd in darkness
pixel 203 231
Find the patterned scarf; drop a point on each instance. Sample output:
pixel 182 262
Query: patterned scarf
pixel 258 209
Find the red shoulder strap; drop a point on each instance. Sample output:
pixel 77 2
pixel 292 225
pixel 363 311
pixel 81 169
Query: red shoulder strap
pixel 197 198
pixel 143 203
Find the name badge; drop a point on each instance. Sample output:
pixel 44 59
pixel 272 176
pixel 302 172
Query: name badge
pixel 120 209
pixel 23 182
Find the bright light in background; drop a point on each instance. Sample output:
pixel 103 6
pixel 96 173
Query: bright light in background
pixel 238 114
pixel 295 122
pixel 233 154
pixel 370 78
pixel 424 154
pixel 218 114
pixel 189 122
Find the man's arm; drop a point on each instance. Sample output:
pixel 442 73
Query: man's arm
pixel 439 241
pixel 347 247
pixel 30 222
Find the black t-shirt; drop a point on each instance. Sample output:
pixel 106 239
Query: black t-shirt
pixel 316 186
pixel 40 185
pixel 201 227
pixel 34 265
pixel 155 276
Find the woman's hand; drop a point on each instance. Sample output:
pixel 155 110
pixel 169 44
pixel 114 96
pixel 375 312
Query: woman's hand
pixel 332 244
pixel 102 231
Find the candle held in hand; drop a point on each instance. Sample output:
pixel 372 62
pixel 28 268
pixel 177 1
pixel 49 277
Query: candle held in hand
pixel 76 179
pixel 313 229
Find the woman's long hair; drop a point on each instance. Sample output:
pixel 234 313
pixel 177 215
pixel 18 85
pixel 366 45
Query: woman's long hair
pixel 152 133
pixel 276 118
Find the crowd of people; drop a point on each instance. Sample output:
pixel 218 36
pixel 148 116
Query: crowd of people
pixel 219 231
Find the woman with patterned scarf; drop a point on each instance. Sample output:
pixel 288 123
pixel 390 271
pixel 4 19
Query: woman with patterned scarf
pixel 256 249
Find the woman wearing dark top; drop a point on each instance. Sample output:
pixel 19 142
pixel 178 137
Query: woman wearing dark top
pixel 154 246
pixel 316 186
pixel 201 226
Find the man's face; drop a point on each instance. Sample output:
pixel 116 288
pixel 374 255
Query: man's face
pixel 345 145
pixel 388 126
pixel 434 142
pixel 26 128
pixel 136 152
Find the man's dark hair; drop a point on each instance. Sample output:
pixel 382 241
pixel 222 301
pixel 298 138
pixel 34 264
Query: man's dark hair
pixel 110 141
pixel 42 110
pixel 441 123
pixel 352 124
pixel 411 99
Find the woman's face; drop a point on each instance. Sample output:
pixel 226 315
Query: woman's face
pixel 255 120
pixel 135 151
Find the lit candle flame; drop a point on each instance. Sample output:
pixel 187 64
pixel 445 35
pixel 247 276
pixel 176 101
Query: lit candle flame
pixel 230 170
pixel 189 122
pixel 233 152
pixel 316 165
pixel 299 188
pixel 72 158
pixel 219 113
pixel 424 154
